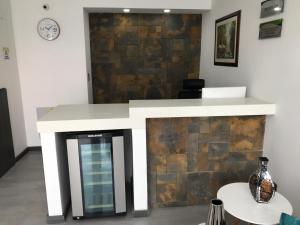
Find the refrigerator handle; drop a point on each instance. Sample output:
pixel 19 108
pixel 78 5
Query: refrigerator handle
pixel 119 174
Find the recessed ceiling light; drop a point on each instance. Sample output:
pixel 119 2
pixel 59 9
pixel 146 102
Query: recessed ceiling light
pixel 277 9
pixel 167 10
pixel 126 10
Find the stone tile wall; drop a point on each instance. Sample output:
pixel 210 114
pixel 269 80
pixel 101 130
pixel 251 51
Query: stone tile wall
pixel 142 56
pixel 189 159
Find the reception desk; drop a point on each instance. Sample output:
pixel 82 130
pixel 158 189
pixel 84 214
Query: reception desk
pixel 133 116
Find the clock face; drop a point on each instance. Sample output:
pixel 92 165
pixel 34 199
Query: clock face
pixel 48 29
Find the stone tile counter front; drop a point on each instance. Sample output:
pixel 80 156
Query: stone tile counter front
pixel 189 159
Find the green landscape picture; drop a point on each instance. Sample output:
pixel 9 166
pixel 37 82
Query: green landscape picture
pixel 226 40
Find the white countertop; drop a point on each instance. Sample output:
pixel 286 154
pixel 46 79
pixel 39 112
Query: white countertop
pixel 128 116
pixel 200 107
pixel 67 118
pixel 86 112
pixel 163 103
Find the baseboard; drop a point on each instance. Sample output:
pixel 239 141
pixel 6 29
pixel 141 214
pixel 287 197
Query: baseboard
pixel 4 172
pixel 55 219
pixel 22 154
pixel 141 213
pixel 26 150
pixel 35 148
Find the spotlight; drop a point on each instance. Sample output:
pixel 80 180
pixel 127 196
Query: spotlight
pixel 126 10
pixel 167 10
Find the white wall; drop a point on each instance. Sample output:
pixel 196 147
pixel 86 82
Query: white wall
pixel 9 78
pixel 270 69
pixel 55 72
pixel 51 72
pixel 146 4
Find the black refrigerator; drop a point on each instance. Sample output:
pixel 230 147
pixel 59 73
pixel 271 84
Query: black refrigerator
pixel 7 156
pixel 97 174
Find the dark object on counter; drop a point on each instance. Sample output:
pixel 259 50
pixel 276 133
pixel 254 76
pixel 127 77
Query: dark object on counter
pixel 192 88
pixel 7 157
pixel 193 84
pixel 261 184
pixel 216 214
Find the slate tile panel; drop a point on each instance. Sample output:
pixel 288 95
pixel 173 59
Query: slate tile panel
pixel 189 159
pixel 155 51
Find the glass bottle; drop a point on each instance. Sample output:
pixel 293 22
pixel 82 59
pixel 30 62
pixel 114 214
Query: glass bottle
pixel 261 184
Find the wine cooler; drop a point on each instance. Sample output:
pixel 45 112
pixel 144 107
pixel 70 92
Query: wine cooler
pixel 97 174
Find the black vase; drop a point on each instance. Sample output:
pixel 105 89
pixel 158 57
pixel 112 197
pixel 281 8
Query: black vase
pixel 261 184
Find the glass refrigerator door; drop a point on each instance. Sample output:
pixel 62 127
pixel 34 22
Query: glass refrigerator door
pixel 97 175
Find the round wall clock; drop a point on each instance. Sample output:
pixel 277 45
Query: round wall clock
pixel 48 29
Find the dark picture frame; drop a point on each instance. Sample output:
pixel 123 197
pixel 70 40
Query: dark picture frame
pixel 227 40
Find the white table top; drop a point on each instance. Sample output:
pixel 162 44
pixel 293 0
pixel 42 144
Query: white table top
pixel 132 116
pixel 169 103
pixel 88 111
pixel 239 202
pixel 87 117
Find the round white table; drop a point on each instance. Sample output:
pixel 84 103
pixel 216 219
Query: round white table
pixel 239 202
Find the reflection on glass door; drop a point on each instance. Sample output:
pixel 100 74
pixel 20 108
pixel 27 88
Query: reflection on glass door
pixel 97 175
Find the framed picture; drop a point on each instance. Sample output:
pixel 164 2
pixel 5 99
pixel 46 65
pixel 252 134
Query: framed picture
pixel 271 8
pixel 271 29
pixel 227 37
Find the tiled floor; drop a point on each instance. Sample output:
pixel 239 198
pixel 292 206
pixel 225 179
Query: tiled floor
pixel 23 201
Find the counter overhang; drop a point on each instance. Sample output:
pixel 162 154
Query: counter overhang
pixel 133 115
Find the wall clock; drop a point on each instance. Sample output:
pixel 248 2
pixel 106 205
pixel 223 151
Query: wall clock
pixel 48 29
